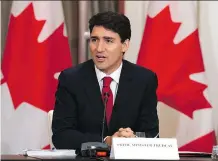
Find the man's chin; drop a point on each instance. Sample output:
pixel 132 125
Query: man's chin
pixel 100 67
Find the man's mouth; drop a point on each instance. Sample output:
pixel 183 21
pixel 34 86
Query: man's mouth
pixel 100 58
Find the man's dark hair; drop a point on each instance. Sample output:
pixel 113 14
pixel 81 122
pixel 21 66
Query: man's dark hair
pixel 113 21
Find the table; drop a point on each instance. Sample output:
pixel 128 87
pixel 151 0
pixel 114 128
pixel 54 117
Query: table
pixel 19 157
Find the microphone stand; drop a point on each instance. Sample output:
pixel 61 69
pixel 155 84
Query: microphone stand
pixel 106 95
pixel 97 149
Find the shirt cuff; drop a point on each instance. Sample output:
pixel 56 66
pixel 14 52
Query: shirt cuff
pixel 105 138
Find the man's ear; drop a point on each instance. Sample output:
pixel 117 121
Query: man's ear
pixel 125 45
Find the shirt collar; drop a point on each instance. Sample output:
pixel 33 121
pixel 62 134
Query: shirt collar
pixel 115 75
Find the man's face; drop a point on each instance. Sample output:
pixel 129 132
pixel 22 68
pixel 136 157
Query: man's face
pixel 106 49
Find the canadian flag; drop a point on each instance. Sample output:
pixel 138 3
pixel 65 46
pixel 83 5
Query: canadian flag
pixel 208 33
pixel 36 51
pixel 170 47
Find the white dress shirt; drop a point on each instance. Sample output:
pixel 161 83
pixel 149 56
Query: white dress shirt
pixel 115 82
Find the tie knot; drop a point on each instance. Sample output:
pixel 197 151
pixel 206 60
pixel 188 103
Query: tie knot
pixel 107 81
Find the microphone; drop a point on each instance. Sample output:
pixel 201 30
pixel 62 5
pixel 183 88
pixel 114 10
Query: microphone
pixel 106 96
pixel 97 149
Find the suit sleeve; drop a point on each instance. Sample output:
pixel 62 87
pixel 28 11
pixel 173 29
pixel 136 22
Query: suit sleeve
pixel 64 125
pixel 148 121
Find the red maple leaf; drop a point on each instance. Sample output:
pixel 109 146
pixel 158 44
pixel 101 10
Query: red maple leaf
pixel 173 63
pixel 203 143
pixel 29 66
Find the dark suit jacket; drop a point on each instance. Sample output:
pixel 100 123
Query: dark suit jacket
pixel 79 109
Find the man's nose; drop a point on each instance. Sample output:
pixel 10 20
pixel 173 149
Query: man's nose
pixel 100 47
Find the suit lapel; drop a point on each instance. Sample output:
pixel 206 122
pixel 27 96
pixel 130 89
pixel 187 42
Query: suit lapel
pixel 123 89
pixel 92 89
pixel 93 92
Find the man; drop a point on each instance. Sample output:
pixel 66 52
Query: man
pixel 130 90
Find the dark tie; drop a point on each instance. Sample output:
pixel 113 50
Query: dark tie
pixel 106 92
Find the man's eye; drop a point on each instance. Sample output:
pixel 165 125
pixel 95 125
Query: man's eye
pixel 93 40
pixel 109 40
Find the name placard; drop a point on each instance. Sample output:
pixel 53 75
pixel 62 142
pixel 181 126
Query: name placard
pixel 144 148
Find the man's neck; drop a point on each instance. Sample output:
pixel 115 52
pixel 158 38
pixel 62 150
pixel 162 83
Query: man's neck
pixel 113 69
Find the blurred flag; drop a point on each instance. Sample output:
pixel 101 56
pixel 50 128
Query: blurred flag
pixel 36 51
pixel 208 25
pixel 170 47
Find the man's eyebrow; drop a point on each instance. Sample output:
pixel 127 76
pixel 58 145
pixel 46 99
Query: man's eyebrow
pixel 94 37
pixel 104 37
pixel 107 37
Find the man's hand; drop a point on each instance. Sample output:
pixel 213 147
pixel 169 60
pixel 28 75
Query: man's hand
pixel 108 140
pixel 126 132
pixel 122 132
